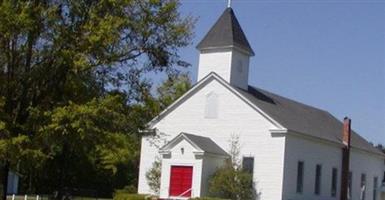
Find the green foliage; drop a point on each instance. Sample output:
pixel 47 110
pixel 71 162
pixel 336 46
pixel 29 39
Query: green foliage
pixel 16 145
pixel 153 176
pixel 174 87
pixel 73 87
pixel 124 195
pixel 87 145
pixel 14 148
pixel 129 197
pixel 2 115
pixel 230 181
pixel 128 189
pixel 99 127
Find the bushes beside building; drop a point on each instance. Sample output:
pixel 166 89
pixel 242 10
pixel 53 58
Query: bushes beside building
pixel 231 181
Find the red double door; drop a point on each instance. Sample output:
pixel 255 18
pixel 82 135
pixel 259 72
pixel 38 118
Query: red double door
pixel 181 181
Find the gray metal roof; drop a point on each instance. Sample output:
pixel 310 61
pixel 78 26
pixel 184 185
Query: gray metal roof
pixel 226 32
pixel 302 118
pixel 206 144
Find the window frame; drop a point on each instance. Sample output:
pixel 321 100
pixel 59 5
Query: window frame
pixel 375 188
pixel 363 186
pixel 318 180
pixel 334 185
pixel 251 171
pixel 300 176
pixel 211 105
pixel 383 180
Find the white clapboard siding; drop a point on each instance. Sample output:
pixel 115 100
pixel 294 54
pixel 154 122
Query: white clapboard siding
pixel 235 117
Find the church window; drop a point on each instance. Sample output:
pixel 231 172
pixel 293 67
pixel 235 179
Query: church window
pixel 334 182
pixel 211 110
pixel 383 179
pixel 300 176
pixel 363 186
pixel 248 164
pixel 375 188
pixel 318 175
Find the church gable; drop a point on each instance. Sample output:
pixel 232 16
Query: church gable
pixel 181 148
pixel 232 117
pixel 212 100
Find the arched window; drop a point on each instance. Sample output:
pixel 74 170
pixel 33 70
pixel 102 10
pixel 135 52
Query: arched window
pixel 211 109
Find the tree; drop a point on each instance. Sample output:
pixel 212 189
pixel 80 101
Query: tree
pixel 153 176
pixel 173 88
pixel 56 56
pixel 92 136
pixel 230 181
pixel 106 130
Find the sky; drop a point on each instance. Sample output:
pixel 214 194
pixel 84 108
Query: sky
pixel 326 53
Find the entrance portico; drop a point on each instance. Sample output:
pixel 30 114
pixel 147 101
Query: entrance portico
pixel 187 163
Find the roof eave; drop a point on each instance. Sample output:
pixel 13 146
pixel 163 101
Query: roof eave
pixel 167 147
pixel 338 144
pixel 247 51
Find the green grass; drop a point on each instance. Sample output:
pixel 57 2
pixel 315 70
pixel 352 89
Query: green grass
pixel 45 197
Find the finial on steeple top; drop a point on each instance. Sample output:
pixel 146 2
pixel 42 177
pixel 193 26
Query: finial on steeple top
pixel 229 3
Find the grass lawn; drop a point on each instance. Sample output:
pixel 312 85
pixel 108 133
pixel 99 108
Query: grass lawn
pixel 45 197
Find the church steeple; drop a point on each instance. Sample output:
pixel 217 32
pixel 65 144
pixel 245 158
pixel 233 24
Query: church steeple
pixel 226 32
pixel 226 51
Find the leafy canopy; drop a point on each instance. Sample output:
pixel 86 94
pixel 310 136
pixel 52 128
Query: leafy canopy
pixel 99 127
pixel 73 85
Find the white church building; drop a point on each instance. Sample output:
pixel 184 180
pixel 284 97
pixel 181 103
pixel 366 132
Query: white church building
pixel 294 151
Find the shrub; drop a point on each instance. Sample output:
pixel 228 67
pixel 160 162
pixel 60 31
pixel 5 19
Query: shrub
pixel 153 176
pixel 230 181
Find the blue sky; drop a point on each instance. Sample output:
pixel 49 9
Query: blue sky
pixel 329 54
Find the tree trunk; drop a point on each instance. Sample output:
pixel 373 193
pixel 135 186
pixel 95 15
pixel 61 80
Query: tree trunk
pixel 5 180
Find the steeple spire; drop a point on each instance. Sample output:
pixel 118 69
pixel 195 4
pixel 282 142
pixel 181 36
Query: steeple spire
pixel 226 32
pixel 226 51
pixel 229 3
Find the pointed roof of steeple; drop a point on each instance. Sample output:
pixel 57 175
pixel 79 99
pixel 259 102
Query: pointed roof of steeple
pixel 226 32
